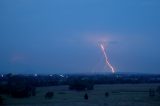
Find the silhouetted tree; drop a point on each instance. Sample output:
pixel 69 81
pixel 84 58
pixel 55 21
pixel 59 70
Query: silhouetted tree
pixel 81 85
pixel 86 96
pixel 1 100
pixel 20 87
pixel 4 89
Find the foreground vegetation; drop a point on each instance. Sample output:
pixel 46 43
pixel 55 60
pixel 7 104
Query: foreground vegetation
pixel 102 95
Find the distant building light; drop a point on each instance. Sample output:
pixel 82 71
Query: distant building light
pixel 35 75
pixel 50 75
pixel 61 75
pixel 2 75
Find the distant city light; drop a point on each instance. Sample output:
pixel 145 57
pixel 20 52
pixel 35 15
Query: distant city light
pixel 2 75
pixel 50 75
pixel 35 75
pixel 61 75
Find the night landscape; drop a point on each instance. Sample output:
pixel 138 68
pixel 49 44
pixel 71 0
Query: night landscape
pixel 79 53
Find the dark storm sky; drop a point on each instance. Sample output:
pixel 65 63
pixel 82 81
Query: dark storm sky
pixel 61 36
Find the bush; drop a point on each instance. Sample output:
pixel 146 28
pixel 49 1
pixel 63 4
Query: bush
pixel 49 95
pixel 86 96
pixel 106 94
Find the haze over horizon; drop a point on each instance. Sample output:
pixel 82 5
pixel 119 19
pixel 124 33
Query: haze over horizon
pixel 62 36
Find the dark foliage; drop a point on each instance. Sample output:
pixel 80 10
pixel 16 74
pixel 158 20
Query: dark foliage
pixel 106 94
pixel 4 89
pixel 20 87
pixel 1 100
pixel 81 85
pixel 49 95
pixel 20 93
pixel 86 96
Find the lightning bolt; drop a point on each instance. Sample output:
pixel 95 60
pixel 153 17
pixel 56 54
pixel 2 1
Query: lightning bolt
pixel 106 58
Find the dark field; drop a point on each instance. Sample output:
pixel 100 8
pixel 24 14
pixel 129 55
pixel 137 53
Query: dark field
pixel 119 95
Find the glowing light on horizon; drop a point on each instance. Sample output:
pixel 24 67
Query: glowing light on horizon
pixel 61 75
pixel 106 58
pixel 35 75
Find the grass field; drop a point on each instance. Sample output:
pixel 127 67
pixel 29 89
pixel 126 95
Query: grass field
pixel 119 95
